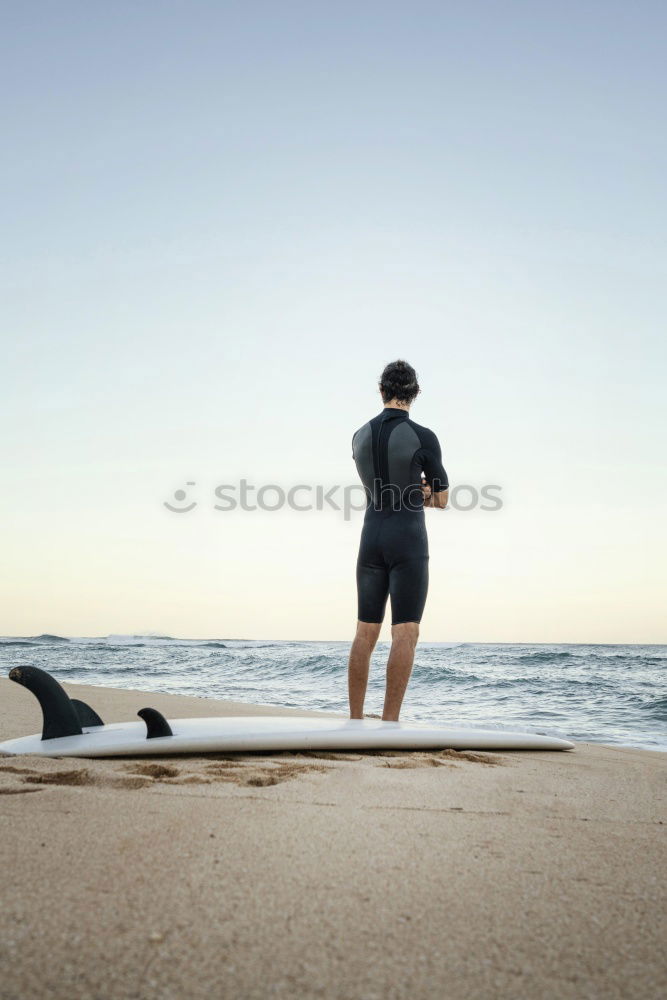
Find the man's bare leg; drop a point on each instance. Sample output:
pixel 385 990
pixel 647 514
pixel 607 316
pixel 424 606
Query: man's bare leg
pixel 399 667
pixel 359 663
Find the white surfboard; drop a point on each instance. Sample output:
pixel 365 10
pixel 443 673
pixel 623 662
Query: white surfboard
pixel 275 732
pixel 73 729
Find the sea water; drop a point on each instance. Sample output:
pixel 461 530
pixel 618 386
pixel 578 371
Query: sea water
pixel 599 693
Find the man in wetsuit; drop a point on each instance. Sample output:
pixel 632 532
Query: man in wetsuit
pixel 400 465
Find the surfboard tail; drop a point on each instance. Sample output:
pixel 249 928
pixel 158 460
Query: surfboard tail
pixel 61 715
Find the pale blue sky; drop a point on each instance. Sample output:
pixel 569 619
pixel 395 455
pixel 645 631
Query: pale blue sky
pixel 220 220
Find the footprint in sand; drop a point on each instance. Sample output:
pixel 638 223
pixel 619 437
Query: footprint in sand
pixel 476 758
pixel 168 772
pixel 12 790
pixel 270 776
pixel 409 763
pixel 248 774
pixel 80 777
pixel 154 770
pixel 12 769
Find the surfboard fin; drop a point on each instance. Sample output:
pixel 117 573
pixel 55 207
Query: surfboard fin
pixel 88 717
pixel 156 724
pixel 59 715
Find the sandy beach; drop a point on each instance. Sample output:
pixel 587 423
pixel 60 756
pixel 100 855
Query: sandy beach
pixel 376 875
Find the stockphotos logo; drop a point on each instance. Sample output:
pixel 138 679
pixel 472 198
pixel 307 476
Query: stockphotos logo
pixel 305 497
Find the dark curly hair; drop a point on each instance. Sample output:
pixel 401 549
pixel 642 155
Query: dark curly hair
pixel 399 381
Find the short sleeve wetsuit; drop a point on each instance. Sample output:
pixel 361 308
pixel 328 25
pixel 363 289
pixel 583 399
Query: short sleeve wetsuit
pixel 391 452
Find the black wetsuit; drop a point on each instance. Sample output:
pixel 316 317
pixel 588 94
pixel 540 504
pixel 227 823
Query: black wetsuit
pixel 391 452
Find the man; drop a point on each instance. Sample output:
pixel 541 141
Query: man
pixel 400 466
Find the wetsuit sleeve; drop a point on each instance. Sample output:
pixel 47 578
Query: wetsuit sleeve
pixel 431 457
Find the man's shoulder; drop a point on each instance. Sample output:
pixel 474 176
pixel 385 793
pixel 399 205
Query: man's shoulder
pixel 426 436
pixel 364 427
pixel 369 423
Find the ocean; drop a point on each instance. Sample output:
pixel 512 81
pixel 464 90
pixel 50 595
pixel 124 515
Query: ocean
pixel 602 694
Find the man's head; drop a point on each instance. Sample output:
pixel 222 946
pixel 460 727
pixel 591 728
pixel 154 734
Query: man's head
pixel 398 383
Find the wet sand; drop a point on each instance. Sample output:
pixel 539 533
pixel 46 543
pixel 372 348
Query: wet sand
pixel 361 875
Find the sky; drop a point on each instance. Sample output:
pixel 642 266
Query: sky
pixel 222 219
